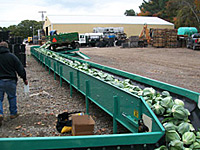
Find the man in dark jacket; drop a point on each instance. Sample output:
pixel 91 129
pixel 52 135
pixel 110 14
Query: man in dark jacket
pixel 9 66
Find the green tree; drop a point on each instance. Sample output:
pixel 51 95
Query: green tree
pixel 3 29
pixel 25 28
pixel 189 12
pixel 153 8
pixel 28 28
pixel 130 12
pixel 180 12
pixel 13 30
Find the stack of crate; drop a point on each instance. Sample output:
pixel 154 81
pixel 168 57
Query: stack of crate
pixel 164 38
pixel 133 41
pixel 171 38
pixel 158 38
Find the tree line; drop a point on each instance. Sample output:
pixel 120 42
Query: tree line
pixel 183 13
pixel 26 28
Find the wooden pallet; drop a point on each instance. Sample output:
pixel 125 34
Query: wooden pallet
pixel 164 38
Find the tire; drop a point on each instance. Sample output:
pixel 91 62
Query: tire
pixel 188 46
pixel 77 45
pixel 193 47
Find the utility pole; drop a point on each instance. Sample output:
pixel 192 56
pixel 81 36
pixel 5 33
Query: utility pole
pixel 32 27
pixel 42 12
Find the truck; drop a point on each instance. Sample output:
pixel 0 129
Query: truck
pixel 89 39
pixel 184 33
pixel 103 39
pixel 113 36
pixel 194 41
pixel 107 30
pixel 64 39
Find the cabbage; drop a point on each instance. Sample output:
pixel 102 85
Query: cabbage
pixel 150 92
pixel 109 78
pixel 158 109
pixel 176 145
pixel 179 112
pixel 169 126
pixel 195 145
pixel 163 147
pixel 167 102
pixel 197 140
pixel 191 127
pixel 147 98
pixel 137 88
pixel 172 135
pixel 159 98
pixel 140 93
pixel 198 135
pixel 77 62
pixel 149 102
pixel 156 99
pixel 188 138
pixel 179 102
pixel 168 112
pixel 117 83
pixel 183 127
pixel 132 91
pixel 126 82
pixel 165 94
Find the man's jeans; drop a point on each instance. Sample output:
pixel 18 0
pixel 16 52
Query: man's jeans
pixel 8 86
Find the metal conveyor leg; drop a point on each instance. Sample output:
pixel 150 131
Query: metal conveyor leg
pixel 54 69
pixel 87 83
pixel 115 113
pixel 61 75
pixel 71 82
pixel 49 66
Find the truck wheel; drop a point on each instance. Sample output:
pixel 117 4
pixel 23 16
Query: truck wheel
pixel 77 45
pixel 193 47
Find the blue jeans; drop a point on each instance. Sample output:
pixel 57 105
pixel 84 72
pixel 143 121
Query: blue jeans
pixel 8 86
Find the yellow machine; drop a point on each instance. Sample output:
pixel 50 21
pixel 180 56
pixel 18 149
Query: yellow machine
pixel 144 35
pixel 30 39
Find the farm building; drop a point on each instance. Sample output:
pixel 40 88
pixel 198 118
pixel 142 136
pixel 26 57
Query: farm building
pixel 132 25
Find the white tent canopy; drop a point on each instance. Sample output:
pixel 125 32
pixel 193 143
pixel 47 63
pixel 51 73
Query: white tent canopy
pixel 62 19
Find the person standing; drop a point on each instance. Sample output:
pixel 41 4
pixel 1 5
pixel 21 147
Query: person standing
pixel 10 66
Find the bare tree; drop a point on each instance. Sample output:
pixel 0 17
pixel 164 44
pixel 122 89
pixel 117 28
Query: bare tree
pixel 193 7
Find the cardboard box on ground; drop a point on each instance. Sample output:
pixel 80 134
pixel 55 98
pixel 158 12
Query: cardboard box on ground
pixel 82 125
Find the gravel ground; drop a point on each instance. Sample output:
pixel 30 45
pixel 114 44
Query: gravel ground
pixel 176 66
pixel 39 109
pixel 47 99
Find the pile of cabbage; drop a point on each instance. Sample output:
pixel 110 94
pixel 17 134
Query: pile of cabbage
pixel 180 133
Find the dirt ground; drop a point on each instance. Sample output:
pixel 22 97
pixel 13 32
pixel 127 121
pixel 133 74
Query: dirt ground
pixel 176 66
pixel 47 99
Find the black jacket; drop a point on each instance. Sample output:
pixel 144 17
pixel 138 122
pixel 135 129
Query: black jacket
pixel 10 65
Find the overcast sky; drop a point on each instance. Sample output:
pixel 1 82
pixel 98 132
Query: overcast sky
pixel 13 12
